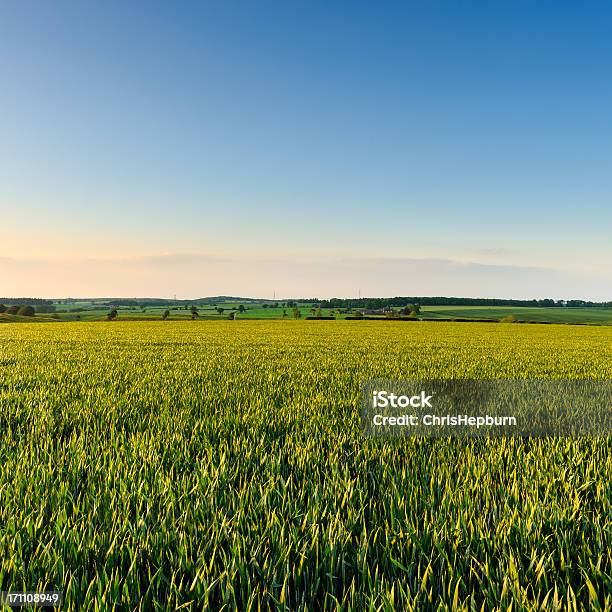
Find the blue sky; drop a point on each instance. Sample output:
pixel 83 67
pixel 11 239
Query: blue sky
pixel 161 148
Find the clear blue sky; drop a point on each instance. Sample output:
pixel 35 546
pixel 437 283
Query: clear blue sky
pixel 394 139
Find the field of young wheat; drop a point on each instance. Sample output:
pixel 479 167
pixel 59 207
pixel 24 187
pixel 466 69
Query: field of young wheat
pixel 207 464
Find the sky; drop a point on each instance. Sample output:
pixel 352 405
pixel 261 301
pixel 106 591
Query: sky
pixel 306 149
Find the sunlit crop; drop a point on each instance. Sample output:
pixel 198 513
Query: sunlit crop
pixel 202 464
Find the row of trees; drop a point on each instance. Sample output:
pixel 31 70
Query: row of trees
pixel 113 314
pixel 25 301
pixel 376 303
pixel 289 304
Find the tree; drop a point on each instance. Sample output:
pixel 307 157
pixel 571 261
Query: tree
pixel 284 314
pixel 297 314
pixel 194 312
pixel 26 311
pixel 231 316
pixel 112 315
pixel 12 310
pixel 2 308
pixel 166 314
pixel 220 310
pixel 411 310
pixel 241 308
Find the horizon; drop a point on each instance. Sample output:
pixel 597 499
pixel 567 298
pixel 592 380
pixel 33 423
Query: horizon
pixel 290 278
pixel 283 298
pixel 307 149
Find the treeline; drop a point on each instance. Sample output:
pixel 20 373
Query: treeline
pixel 375 303
pixel 26 301
pixel 143 302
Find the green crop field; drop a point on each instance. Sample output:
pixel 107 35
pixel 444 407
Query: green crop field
pixel 209 464
pixel 90 310
pixel 522 313
pixel 97 310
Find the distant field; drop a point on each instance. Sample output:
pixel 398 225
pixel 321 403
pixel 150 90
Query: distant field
pixel 93 311
pixel 87 311
pixel 554 315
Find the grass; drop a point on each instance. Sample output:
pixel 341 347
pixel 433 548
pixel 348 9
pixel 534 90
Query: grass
pixel 206 464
